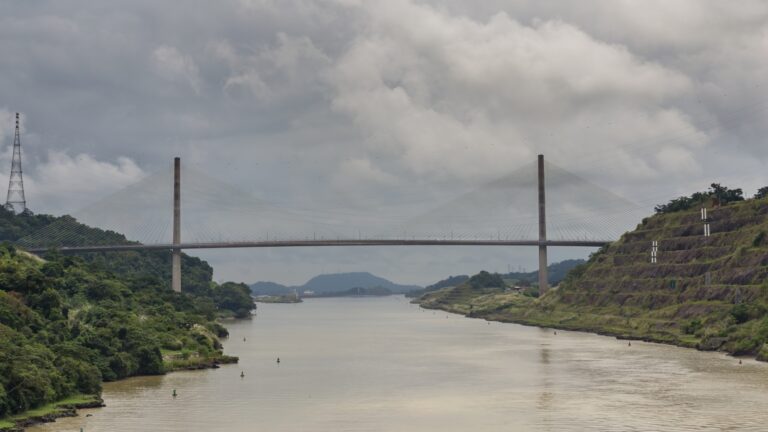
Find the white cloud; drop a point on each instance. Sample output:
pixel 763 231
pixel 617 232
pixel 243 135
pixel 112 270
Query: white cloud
pixel 172 65
pixel 64 182
pixel 451 96
pixel 273 72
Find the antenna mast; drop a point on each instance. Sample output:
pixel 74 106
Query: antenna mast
pixel 16 200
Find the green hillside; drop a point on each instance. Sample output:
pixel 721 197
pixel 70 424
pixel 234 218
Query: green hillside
pixel 620 292
pixel 28 230
pixel 68 323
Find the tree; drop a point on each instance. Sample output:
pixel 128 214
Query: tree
pixel 486 280
pixel 762 192
pixel 718 193
pixel 234 297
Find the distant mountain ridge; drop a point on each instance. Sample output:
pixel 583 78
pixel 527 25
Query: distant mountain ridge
pixel 333 283
pixel 556 273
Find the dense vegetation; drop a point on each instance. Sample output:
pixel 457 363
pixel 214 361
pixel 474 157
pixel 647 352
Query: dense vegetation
pixel 717 194
pixel 708 292
pixel 486 280
pixel 32 230
pixel 67 323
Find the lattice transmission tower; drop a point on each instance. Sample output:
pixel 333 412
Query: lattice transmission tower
pixel 16 200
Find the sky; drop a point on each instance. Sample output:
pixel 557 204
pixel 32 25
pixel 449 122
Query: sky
pixel 377 106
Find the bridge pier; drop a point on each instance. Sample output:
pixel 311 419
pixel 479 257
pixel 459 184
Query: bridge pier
pixel 176 254
pixel 543 279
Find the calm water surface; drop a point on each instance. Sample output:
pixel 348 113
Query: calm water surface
pixel 386 365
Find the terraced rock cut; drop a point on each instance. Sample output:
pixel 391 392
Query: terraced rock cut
pixel 705 292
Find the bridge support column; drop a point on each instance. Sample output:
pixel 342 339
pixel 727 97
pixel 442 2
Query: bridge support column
pixel 176 255
pixel 543 279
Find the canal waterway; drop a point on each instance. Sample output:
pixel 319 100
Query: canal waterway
pixel 383 364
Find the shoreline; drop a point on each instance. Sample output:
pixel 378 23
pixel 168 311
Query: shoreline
pixel 51 412
pixel 601 329
pixel 60 409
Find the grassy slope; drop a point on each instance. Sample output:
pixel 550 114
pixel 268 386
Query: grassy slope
pixel 619 292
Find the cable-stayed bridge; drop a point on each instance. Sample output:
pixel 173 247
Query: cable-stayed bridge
pixel 539 205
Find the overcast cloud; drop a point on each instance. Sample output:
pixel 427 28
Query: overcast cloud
pixel 371 104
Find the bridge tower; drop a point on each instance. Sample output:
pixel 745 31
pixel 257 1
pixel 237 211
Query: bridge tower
pixel 543 279
pixel 176 254
pixel 15 200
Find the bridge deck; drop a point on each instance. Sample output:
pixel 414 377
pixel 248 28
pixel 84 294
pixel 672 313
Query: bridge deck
pixel 324 243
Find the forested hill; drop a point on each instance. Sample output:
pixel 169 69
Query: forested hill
pixel 67 323
pixel 556 273
pixel 32 230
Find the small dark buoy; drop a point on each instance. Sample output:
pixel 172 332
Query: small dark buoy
pixel 174 392
pixel 278 359
pixel 555 332
pixel 242 374
pixel 89 415
pixel 739 361
pixel 629 343
pixel 243 339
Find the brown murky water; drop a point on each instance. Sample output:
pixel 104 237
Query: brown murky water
pixel 385 365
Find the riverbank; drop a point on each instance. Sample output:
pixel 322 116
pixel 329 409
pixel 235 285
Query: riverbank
pixel 183 361
pixel 68 407
pixel 502 306
pixel 49 413
pixel 277 299
pixel 173 361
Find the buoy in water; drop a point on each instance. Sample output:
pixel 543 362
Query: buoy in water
pixel 243 339
pixel 739 361
pixel 242 374
pixel 555 333
pixel 278 359
pixel 174 392
pixel 629 343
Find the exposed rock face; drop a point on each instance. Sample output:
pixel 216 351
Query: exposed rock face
pixel 712 343
pixel 734 256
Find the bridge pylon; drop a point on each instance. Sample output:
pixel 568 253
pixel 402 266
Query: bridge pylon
pixel 176 254
pixel 543 279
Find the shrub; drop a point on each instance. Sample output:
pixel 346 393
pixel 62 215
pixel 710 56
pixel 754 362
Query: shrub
pixel 691 327
pixel 759 238
pixel 531 292
pixel 740 313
